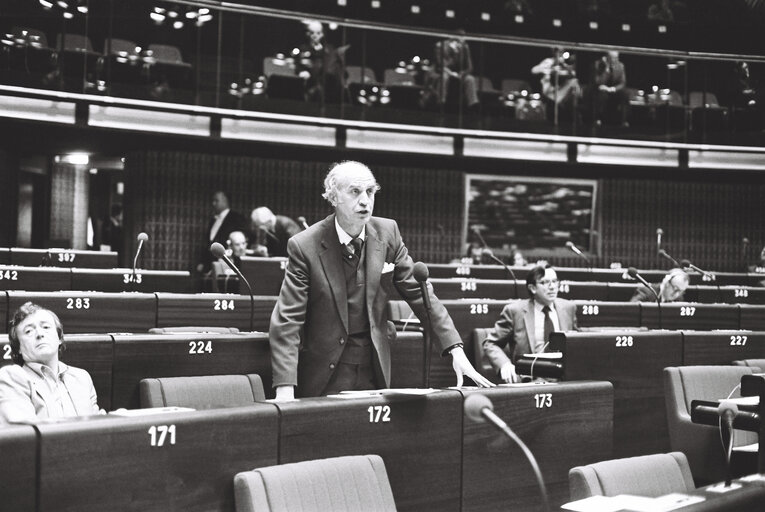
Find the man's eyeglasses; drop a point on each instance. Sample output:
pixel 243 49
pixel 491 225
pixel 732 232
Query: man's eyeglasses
pixel 547 282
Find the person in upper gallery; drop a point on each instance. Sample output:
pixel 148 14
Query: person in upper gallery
pixel 607 90
pixel 223 222
pixel 559 82
pixel 38 385
pixel 671 289
pixel 329 329
pixel 320 63
pixel 270 232
pixel 454 65
pixel 524 326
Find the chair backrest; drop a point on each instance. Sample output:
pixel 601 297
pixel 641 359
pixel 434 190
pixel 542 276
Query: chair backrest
pixel 688 383
pixel 484 83
pixel 354 74
pixel 31 34
pixel 647 475
pixel 757 364
pixel 699 99
pixel 395 77
pixel 514 85
pixel 166 53
pixel 483 365
pixel 115 46
pixel 74 42
pixel 203 392
pixel 276 66
pixel 339 484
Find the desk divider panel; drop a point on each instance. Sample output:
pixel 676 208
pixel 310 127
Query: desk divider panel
pixel 752 317
pixel 692 316
pixel 633 361
pixel 468 288
pixel 213 310
pixel 123 280
pixel 18 470
pixel 94 312
pixel 265 275
pixel 722 347
pixel 65 258
pixel 35 278
pixel 418 437
pixel 564 425
pixel 407 353
pixel 142 356
pixel 183 461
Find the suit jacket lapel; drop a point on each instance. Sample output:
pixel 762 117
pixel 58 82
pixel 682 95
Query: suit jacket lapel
pixel 528 319
pixel 331 261
pixel 374 258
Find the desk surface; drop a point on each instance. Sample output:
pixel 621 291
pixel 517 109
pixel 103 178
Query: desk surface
pixel 35 278
pixel 213 310
pixel 60 258
pixel 564 425
pixel 113 463
pixel 123 280
pixel 418 437
pixel 722 347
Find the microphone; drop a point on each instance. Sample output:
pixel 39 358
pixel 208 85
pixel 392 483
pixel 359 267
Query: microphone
pixel 659 232
pixel 478 408
pixel 744 253
pixel 633 273
pixel 219 252
pixel 687 264
pixel 142 237
pixel 477 232
pixel 664 254
pixel 576 250
pixel 421 273
pixel 488 252
pixel 727 411
pixel 302 222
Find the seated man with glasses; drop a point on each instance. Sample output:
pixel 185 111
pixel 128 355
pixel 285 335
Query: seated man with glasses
pixel 671 289
pixel 524 326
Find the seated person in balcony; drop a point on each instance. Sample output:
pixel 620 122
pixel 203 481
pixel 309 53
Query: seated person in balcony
pixel 454 65
pixel 524 326
pixel 321 65
pixel 608 91
pixel 671 289
pixel 271 232
pixel 558 81
pixel 38 385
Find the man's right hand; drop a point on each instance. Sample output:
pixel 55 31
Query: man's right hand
pixel 507 373
pixel 285 393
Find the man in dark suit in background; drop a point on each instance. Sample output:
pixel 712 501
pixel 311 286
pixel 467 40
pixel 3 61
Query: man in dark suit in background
pixel 330 330
pixel 222 223
pixel 671 289
pixel 321 65
pixel 608 92
pixel 524 326
pixel 270 232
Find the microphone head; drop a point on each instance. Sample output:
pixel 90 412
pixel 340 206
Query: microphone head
pixel 632 272
pixel 727 406
pixel 420 272
pixel 659 231
pixel 487 251
pixel 142 237
pixel 570 244
pixel 745 241
pixel 474 404
pixel 685 263
pixel 475 229
pixel 302 220
pixel 217 250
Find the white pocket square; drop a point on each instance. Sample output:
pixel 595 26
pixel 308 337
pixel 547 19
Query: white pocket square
pixel 388 267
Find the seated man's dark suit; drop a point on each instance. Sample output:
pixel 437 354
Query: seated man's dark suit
pixel 310 324
pixel 515 330
pixel 284 229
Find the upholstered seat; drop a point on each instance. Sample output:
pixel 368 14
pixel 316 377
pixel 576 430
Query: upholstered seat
pixel 757 364
pixel 339 484
pixel 203 392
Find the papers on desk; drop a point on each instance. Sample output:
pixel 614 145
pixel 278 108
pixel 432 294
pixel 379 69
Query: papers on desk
pixel 743 400
pixel 545 355
pixel 366 393
pixel 666 503
pixel 129 413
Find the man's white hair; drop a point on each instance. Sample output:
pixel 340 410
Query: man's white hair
pixel 337 172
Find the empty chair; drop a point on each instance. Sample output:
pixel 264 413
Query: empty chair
pixel 166 53
pixel 701 443
pixel 758 365
pixel 647 475
pixel 74 43
pixel 514 85
pixel 357 74
pixel 706 112
pixel 203 392
pixel 115 46
pixel 278 66
pixel 349 484
pixel 398 77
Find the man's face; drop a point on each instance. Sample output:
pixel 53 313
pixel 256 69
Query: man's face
pixel 38 337
pixel 219 202
pixel 238 244
pixel 315 32
pixel 545 290
pixel 355 198
pixel 674 289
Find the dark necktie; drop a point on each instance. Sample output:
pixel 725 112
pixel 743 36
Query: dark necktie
pixel 548 326
pixel 354 248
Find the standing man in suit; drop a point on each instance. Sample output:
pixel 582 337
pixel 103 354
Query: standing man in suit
pixel 524 326
pixel 271 232
pixel 330 330
pixel 222 223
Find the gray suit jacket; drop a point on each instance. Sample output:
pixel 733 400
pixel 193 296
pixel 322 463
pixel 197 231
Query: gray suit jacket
pixel 309 324
pixel 515 329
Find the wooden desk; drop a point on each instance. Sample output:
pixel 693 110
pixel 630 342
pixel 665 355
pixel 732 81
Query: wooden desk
pixel 443 270
pixel 420 444
pixel 265 275
pixel 564 425
pixel 752 317
pixel 607 314
pixel 5 256
pixel 92 353
pixel 109 463
pixel 142 356
pixel 65 258
pixel 722 347
pixel 692 316
pixel 742 294
pixel 122 280
pixel 470 288
pixel 213 310
pixel 576 290
pixel 18 471
pixel 95 312
pixel 35 278
pixel 633 361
